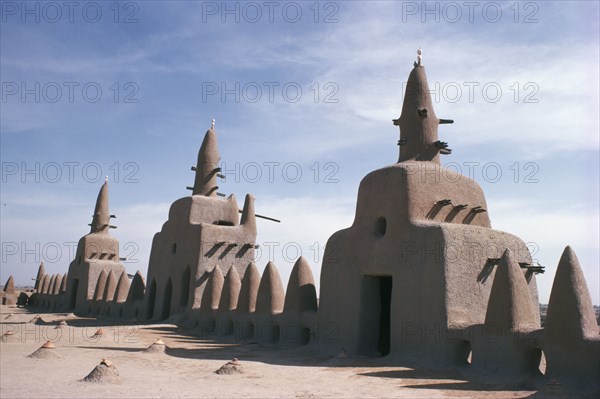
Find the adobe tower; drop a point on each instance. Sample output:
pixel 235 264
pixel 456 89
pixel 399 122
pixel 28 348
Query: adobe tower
pixel 203 233
pixel 97 255
pixel 419 259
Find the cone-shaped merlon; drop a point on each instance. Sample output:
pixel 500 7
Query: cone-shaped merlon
pixel 63 284
pixel 57 284
pixel 205 182
pixel 111 286
pixel 101 217
pixel 248 215
pixel 301 294
pixel 137 288
pixel 510 306
pixel 45 280
pixel 156 347
pixel 9 287
pixel 249 289
pixel 231 290
pixel 122 288
pixel 570 314
pixel 100 286
pixel 51 284
pixel 212 293
pixel 271 296
pixel 40 275
pixel 418 122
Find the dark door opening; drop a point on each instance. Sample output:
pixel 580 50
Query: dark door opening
pixel 166 309
pixel 151 300
pixel 376 299
pixel 74 289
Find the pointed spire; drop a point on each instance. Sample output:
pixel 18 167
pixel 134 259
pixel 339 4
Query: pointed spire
pixel 231 290
pixel 122 288
pixel 249 289
pixel 100 286
pixel 111 286
pixel 9 287
pixel 271 296
pixel 418 122
pixel 57 284
pixel 101 218
pixel 510 306
pixel 248 215
pixel 40 276
pixel 137 288
pixel 212 292
pixel 570 314
pixel 207 166
pixel 301 294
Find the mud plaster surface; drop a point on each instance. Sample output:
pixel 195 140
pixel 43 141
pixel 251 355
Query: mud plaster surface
pixel 187 368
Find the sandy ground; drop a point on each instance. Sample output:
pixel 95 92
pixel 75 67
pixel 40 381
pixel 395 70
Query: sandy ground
pixel 187 368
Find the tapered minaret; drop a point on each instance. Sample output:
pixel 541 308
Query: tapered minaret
pixel 418 122
pixel 97 255
pixel 101 219
pixel 207 167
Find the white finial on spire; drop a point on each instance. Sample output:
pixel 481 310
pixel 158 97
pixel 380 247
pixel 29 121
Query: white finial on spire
pixel 105 179
pixel 419 57
pixel 212 126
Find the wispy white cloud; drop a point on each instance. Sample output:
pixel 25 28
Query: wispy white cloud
pixel 548 230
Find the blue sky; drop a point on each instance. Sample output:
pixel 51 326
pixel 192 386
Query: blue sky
pixel 303 94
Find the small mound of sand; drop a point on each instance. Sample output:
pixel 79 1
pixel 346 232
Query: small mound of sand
pixel 44 353
pixel 232 367
pixel 9 316
pixel 104 373
pixel 9 336
pixel 157 347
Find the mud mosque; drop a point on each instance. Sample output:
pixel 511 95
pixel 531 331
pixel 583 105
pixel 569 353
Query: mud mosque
pixel 419 277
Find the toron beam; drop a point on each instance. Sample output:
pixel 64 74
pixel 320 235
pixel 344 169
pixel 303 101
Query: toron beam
pixel 264 217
